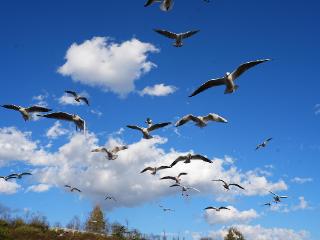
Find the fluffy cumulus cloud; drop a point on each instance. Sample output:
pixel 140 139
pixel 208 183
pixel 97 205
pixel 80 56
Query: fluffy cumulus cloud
pixel 100 176
pixel 258 232
pixel 38 188
pixel 115 67
pixel 303 204
pixel 158 90
pixel 56 131
pixel 230 216
pixel 8 187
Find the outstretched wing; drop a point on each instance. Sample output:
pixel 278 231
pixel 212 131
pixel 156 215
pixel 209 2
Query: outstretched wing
pixel 197 190
pixel 224 208
pixel 166 33
pixel 168 177
pixel 237 185
pixel 72 93
pixel 273 193
pixel 220 180
pixel 215 117
pixel 186 119
pixel 102 149
pixel 158 125
pixel 76 189
pixel 25 174
pixel 189 34
pixel 147 169
pixel 119 148
pixel 59 115
pixel 149 2
pixel 175 185
pixel 210 208
pixel 182 174
pixel 200 157
pixel 38 109
pixel 134 127
pixel 245 67
pixel 67 186
pixel 85 100
pixel 181 158
pixel 208 84
pixel 11 106
pixel 163 167
pixel 269 139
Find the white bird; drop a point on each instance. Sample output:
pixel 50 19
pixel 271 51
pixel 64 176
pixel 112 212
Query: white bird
pixel 227 185
pixel 177 179
pixel 111 154
pixel 166 5
pixel 277 198
pixel 151 127
pixel 154 170
pixel 187 159
pixel 25 112
pixel 77 97
pixel 217 209
pixel 178 37
pixel 76 119
pixel 264 143
pixel 229 78
pixel 201 121
pixel 72 189
pixel 185 189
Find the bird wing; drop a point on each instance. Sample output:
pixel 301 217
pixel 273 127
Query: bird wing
pixel 149 2
pixel 237 185
pixel 119 148
pixel 25 174
pixel 209 208
pixel 72 93
pixel 12 107
pixel 175 185
pixel 67 186
pixel 189 34
pixel 37 109
pixel 135 127
pixel 181 158
pixel 244 67
pixel 273 193
pixel 168 177
pixel 158 125
pixel 76 189
pixel 283 196
pixel 12 175
pixel 163 167
pixel 59 115
pixel 214 117
pixel 102 149
pixel 186 119
pixel 147 169
pixel 181 174
pixel 166 33
pixel 200 157
pixel 208 84
pixel 220 180
pixel 225 208
pixel 193 189
pixel 269 139
pixel 85 100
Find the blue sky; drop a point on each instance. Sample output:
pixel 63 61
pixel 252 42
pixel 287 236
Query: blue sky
pixel 277 99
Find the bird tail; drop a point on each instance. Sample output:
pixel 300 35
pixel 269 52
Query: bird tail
pixel 164 7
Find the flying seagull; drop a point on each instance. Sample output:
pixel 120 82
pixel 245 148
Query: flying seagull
pixel 185 189
pixel 200 121
pixel 166 5
pixel 177 179
pixel 277 198
pixel 6 178
pixel 151 127
pixel 227 185
pixel 77 97
pixel 19 175
pixel 187 159
pixel 217 209
pixel 229 78
pixel 154 170
pixel 264 143
pixel 110 198
pixel 111 154
pixel 72 189
pixel 25 112
pixel 267 204
pixel 76 119
pixel 166 209
pixel 178 37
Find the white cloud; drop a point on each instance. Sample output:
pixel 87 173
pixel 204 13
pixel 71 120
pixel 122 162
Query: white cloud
pixel 230 216
pixel 41 99
pixel 303 204
pixel 258 232
pixel 158 90
pixel 301 180
pixel 38 188
pixel 8 187
pixel 111 66
pixel 56 131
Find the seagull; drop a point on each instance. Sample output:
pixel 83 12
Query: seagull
pixel 178 37
pixel 227 186
pixel 111 154
pixel 151 127
pixel 6 178
pixel 201 121
pixel 78 121
pixel 25 112
pixel 154 170
pixel 177 179
pixel 264 144
pixel 166 209
pixel 77 97
pixel 19 175
pixel 229 78
pixel 187 159
pixel 110 198
pixel 185 189
pixel 166 5
pixel 72 189
pixel 277 198
pixel 267 204
pixel 217 209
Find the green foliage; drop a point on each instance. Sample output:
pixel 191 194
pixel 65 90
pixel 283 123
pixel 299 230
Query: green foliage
pixel 234 234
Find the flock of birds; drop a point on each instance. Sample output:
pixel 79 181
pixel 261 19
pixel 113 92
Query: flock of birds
pixel 201 121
